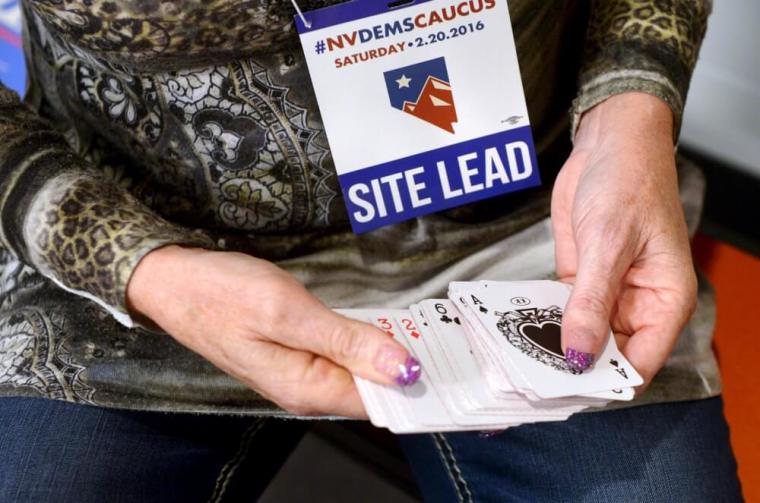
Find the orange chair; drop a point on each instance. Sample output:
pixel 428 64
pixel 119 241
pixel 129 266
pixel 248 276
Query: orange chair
pixel 736 278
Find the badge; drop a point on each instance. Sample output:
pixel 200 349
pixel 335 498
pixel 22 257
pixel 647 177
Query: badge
pixel 422 103
pixel 12 66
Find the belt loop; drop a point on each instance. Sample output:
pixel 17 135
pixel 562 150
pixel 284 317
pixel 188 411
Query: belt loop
pixel 300 14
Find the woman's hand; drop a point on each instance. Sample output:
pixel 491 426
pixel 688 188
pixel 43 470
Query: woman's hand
pixel 621 237
pixel 258 324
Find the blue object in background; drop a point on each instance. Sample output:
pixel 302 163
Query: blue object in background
pixel 12 66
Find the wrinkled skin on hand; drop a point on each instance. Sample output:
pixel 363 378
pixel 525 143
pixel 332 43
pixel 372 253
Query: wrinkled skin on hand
pixel 620 234
pixel 257 323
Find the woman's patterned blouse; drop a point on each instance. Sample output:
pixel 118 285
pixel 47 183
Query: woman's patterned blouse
pixel 150 122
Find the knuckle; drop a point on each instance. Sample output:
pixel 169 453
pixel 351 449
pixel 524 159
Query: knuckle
pixel 345 343
pixel 317 372
pixel 611 223
pixel 686 295
pixel 274 307
pixel 590 302
pixel 310 387
pixel 610 235
pixel 692 293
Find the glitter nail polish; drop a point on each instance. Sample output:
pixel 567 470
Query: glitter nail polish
pixel 409 372
pixel 396 363
pixel 578 360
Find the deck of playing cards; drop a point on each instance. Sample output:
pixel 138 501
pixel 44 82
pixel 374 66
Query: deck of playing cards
pixel 491 359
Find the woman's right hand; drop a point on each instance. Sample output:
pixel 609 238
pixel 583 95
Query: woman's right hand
pixel 258 324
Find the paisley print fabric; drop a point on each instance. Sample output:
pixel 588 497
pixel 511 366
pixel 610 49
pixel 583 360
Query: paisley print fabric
pixel 34 356
pixel 150 122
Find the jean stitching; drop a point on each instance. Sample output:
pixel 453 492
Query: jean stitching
pixel 445 460
pixel 459 475
pixel 456 481
pixel 229 469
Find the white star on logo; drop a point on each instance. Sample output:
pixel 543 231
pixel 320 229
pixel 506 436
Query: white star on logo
pixel 403 81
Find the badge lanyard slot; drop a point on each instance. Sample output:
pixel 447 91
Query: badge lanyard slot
pixel 305 22
pixel 399 3
pixel 394 4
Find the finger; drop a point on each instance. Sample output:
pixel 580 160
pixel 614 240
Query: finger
pixel 565 256
pixel 649 348
pixel 621 340
pixel 302 383
pixel 364 350
pixel 561 213
pixel 586 321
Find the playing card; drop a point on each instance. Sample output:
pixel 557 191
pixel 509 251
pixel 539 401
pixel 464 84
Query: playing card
pixel 426 406
pixel 524 320
pixel 442 315
pixel 493 364
pixel 446 386
pixel 378 400
pixel 413 408
pixel 491 358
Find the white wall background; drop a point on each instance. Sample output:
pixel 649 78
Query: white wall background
pixel 722 117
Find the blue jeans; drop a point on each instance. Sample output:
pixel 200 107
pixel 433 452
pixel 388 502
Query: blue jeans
pixel 54 451
pixel 673 452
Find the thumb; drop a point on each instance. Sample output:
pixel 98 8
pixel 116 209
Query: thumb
pixel 586 321
pixel 371 353
pixel 361 348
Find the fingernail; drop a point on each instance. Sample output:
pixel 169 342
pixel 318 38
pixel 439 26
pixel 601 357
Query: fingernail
pixel 578 360
pixel 396 363
pixel 409 372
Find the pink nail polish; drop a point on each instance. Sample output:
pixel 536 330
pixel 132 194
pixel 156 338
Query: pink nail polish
pixel 396 363
pixel 578 360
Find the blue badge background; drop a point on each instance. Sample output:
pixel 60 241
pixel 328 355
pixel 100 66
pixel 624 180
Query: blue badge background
pixel 12 66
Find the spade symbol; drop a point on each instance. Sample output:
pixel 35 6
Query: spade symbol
pixel 456 320
pixel 545 336
pixel 483 309
pixel 614 362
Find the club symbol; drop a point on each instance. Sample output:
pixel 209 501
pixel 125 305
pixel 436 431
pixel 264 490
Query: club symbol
pixel 445 319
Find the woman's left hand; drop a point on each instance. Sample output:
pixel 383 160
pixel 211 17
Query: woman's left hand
pixel 621 236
